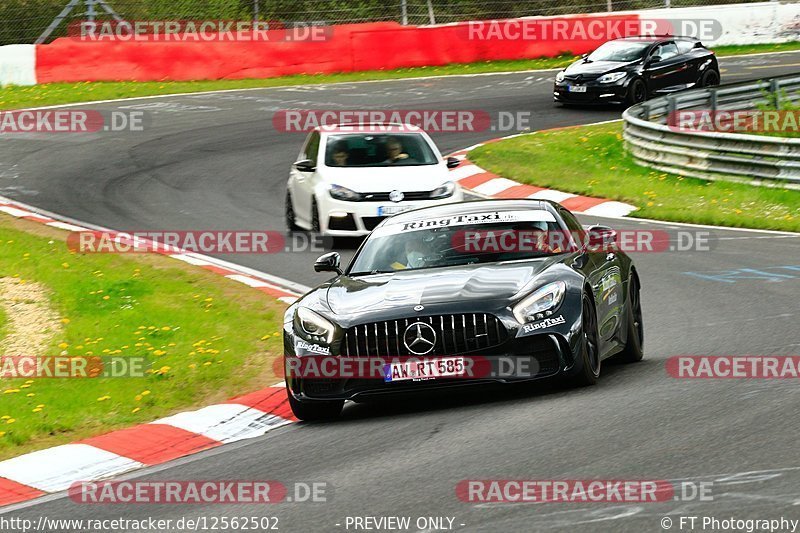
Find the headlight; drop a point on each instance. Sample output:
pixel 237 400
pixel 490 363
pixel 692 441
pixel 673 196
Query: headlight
pixel 611 77
pixel 343 193
pixel 560 77
pixel 447 189
pixel 313 326
pixel 544 299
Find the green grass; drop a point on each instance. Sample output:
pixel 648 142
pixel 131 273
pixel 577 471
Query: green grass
pixel 207 338
pixel 592 161
pixel 13 97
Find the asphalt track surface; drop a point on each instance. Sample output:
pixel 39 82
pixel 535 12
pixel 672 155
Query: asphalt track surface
pixel 215 161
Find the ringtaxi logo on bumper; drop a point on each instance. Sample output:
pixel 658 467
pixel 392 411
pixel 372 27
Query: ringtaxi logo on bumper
pixel 581 491
pixel 72 121
pixel 197 241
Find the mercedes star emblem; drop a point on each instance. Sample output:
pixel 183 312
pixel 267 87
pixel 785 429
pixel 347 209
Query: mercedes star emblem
pixel 419 338
pixel 396 196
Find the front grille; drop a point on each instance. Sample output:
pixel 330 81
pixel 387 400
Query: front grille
pixel 581 78
pixel 371 222
pixel 384 196
pixel 455 334
pixel 347 223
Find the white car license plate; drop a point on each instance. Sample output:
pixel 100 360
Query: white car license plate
pixel 422 369
pixel 577 88
pixel 389 210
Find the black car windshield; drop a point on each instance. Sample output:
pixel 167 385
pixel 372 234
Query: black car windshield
pixel 443 242
pixel 620 51
pixel 378 150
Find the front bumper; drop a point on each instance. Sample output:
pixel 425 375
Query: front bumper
pixel 545 353
pixel 595 93
pixel 341 218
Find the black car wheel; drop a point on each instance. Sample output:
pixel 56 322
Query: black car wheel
pixel 710 78
pixel 637 92
pixel 633 346
pixel 290 216
pixel 316 410
pixel 589 363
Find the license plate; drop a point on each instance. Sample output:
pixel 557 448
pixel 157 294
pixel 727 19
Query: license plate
pixel 423 369
pixel 389 210
pixel 577 88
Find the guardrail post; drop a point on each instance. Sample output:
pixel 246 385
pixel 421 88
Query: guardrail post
pixel 646 109
pixel 713 100
pixel 775 89
pixel 671 105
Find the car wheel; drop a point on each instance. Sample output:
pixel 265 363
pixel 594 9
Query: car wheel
pixel 290 216
pixel 315 225
pixel 637 92
pixel 589 359
pixel 710 78
pixel 316 410
pixel 633 346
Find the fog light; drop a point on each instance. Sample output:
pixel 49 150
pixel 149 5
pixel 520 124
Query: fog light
pixel 338 214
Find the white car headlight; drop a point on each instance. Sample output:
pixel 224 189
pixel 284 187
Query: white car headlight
pixel 611 77
pixel 314 326
pixel 445 190
pixel 343 193
pixel 544 299
pixel 560 77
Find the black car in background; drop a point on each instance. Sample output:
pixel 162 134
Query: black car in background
pixel 631 70
pixel 446 283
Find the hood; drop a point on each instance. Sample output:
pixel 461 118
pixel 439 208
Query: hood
pixel 404 290
pixel 594 68
pixel 386 179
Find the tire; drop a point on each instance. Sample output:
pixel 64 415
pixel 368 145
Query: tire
pixel 316 410
pixel 637 92
pixel 709 78
pixel 588 371
pixel 291 223
pixel 633 352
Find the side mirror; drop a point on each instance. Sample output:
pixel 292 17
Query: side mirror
pixel 305 165
pixel 652 61
pixel 601 238
pixel 452 162
pixel 328 263
pixel 584 56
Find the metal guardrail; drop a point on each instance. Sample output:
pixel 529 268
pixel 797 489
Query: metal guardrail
pixel 755 159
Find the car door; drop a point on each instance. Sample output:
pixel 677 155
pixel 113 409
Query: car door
pixel 602 268
pixel 301 184
pixel 666 69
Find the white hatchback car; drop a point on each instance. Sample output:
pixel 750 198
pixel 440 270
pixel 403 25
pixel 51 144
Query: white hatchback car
pixel 347 179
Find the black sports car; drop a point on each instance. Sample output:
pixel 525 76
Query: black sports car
pixel 631 70
pixel 486 285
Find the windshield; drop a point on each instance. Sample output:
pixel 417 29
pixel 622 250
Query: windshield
pixel 376 150
pixel 621 51
pixel 433 244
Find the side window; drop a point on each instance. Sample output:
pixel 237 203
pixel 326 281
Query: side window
pixel 666 51
pixel 575 228
pixel 312 147
pixel 684 46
